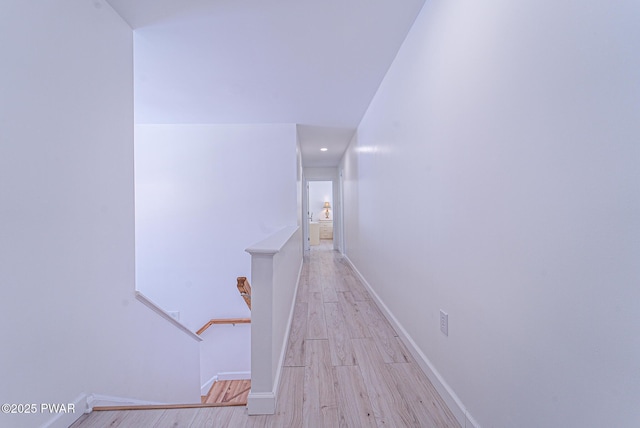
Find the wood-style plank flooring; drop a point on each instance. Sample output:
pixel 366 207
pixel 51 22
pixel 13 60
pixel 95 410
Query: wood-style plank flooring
pixel 345 366
pixel 233 392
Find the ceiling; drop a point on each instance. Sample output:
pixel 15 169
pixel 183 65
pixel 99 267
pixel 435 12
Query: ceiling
pixel 314 63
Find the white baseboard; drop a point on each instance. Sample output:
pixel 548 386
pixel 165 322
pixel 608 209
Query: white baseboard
pixel 98 400
pixel 234 375
pixel 85 404
pixel 264 403
pixel 204 389
pixel 261 403
pixel 448 395
pixel 469 422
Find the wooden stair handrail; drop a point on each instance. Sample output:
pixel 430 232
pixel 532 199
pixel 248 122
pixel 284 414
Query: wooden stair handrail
pixel 245 290
pixel 233 321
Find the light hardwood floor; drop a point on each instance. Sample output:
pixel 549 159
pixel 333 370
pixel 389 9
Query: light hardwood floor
pixel 345 366
pixel 232 392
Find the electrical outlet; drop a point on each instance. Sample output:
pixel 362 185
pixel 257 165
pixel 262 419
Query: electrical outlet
pixel 444 322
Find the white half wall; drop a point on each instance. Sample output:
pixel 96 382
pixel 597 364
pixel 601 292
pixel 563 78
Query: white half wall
pixel 501 155
pixel 71 323
pixel 276 263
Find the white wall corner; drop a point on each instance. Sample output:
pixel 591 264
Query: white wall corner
pixel 446 392
pixel 204 389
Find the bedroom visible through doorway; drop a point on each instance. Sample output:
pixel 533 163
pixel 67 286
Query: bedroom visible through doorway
pixel 320 208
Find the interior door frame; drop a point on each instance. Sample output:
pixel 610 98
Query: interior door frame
pixel 322 174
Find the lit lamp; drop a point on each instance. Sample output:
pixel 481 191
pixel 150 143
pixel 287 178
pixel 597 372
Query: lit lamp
pixel 326 208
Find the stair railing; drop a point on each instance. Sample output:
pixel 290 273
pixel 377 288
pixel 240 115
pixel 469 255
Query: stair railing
pixel 245 291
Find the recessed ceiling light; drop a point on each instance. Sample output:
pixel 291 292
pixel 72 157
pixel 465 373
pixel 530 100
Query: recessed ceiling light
pixel 324 149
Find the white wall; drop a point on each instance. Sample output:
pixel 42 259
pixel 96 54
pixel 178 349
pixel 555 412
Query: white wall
pixel 504 144
pixel 319 193
pixel 225 353
pixel 71 323
pixel 204 193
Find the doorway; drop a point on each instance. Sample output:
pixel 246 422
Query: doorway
pixel 320 209
pixel 330 182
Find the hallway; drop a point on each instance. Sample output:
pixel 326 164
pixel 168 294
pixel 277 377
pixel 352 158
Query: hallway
pixel 344 366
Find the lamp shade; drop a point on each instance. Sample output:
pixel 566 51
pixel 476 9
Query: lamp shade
pixel 326 205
